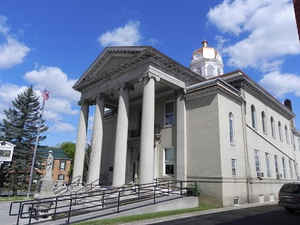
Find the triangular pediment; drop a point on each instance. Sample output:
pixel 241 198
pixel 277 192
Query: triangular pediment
pixel 119 59
pixel 110 59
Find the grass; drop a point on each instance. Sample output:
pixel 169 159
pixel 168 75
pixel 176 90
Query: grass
pixel 127 219
pixel 13 198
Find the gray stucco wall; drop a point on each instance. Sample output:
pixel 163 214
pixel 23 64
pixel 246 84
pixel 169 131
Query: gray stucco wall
pixel 203 144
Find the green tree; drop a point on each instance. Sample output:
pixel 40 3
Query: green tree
pixel 20 127
pixel 69 150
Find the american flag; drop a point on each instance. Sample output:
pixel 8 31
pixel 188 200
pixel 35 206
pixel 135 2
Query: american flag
pixel 45 95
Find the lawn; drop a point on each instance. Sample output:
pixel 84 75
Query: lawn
pixel 13 198
pixel 127 219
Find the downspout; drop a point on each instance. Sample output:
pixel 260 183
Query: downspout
pixel 247 166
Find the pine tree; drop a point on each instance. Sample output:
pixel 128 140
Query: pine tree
pixel 20 127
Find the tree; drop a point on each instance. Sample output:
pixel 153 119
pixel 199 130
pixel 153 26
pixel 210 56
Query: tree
pixel 20 127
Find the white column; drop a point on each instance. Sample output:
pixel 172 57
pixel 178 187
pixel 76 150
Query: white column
pixel 81 142
pixel 119 171
pixel 181 148
pixel 147 133
pixel 156 159
pixel 95 157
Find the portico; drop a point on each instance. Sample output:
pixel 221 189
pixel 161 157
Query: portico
pixel 135 88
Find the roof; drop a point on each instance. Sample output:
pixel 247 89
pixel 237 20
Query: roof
pixel 240 76
pixel 57 153
pixel 134 55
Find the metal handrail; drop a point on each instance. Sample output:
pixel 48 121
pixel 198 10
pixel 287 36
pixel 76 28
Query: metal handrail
pixel 106 199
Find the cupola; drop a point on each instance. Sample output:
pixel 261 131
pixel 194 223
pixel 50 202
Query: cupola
pixel 207 61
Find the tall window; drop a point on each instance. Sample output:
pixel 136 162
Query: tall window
pixel 268 164
pixel 256 158
pixel 253 116
pixel 263 122
pixel 231 128
pixel 291 168
pixel 276 165
pixel 272 127
pixel 170 161
pixel 280 131
pixel 169 113
pixel 284 167
pixel 233 167
pixel 286 135
pixel 62 165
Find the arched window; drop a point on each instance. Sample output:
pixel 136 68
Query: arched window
pixel 286 135
pixel 279 131
pixel 253 116
pixel 273 127
pixel 263 122
pixel 231 128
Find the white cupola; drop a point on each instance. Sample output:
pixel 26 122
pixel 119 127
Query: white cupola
pixel 207 61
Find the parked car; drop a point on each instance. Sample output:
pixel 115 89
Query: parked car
pixel 289 197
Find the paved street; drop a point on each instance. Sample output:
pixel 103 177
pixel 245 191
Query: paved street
pixel 265 215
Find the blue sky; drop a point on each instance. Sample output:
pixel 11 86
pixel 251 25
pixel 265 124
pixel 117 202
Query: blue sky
pixel 49 44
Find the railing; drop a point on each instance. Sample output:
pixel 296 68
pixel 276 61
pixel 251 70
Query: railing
pixel 66 206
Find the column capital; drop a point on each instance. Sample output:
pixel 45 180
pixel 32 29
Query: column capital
pixel 83 102
pixel 180 93
pixel 147 76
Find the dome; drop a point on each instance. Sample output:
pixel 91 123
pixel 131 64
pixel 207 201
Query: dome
pixel 207 61
pixel 206 52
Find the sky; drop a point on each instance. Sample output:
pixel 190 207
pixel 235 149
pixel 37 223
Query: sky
pixel 49 44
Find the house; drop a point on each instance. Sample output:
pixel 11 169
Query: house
pixel 61 164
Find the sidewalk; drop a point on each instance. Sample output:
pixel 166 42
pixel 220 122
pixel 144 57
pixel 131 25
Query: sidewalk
pixel 205 212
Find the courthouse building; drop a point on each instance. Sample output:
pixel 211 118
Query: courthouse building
pixel 155 118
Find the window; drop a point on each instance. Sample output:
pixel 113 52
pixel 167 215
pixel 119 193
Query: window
pixel 233 167
pixel 61 177
pixel 170 161
pixel 257 164
pixel 62 165
pixel 263 122
pixel 283 167
pixel 268 164
pixel 291 168
pixel 280 131
pixel 287 135
pixel 253 116
pixel 210 70
pixel 231 128
pixel 276 165
pixel 169 113
pixel 272 127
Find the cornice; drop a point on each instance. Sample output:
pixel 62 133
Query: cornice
pixel 259 92
pixel 140 55
pixel 214 87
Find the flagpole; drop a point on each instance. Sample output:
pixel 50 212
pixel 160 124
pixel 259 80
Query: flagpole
pixel 35 149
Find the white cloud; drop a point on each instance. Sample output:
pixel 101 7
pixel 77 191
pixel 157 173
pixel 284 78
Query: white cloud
pixel 63 127
pixel 267 31
pixel 54 80
pixel 8 92
pixel 61 103
pixel 12 52
pixel 127 35
pixel 281 84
